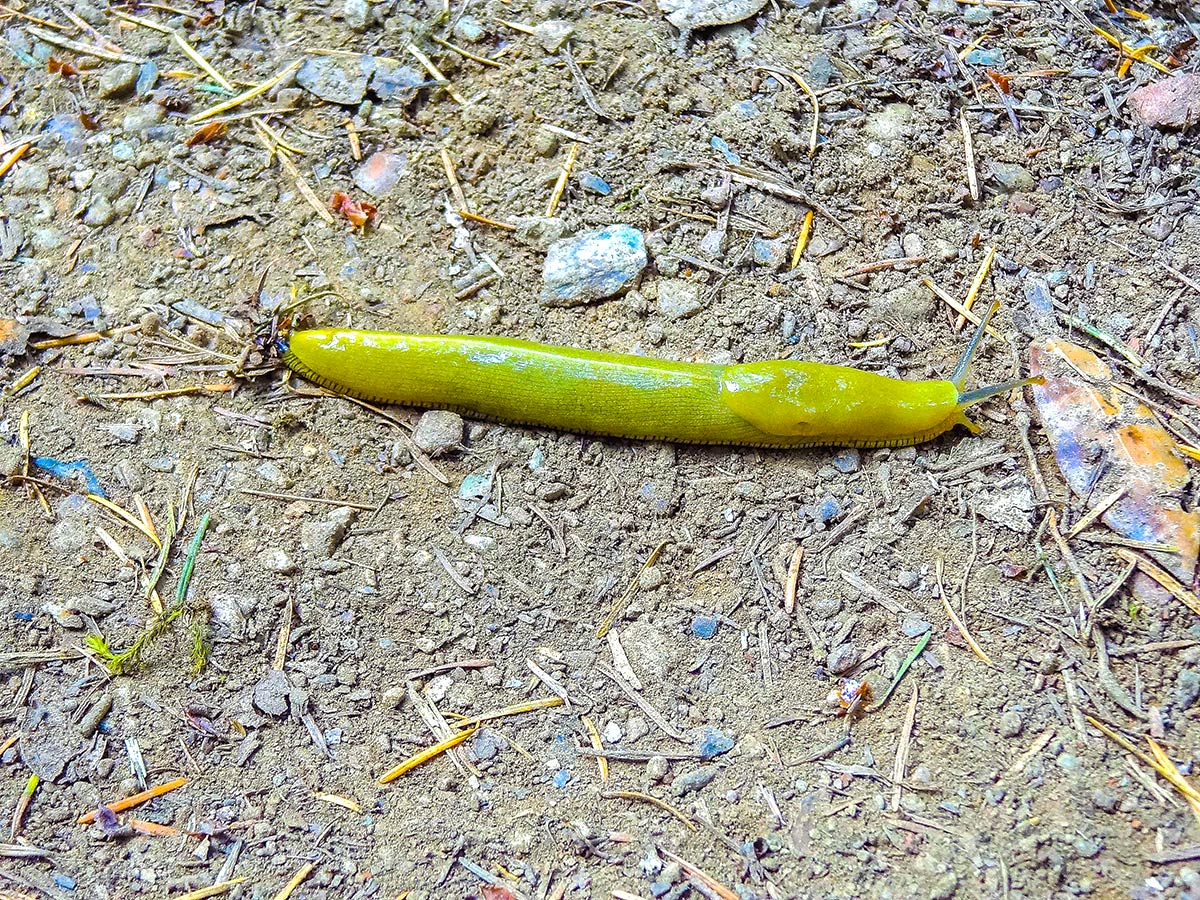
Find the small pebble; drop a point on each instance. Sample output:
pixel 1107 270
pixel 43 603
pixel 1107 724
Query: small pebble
pixel 1187 688
pixel 469 29
pixel 1011 724
pixel 1011 177
pixel 771 254
pixel 545 143
pixel 1068 762
pixel 704 627
pixel 28 178
pixel 1104 799
pixel 394 82
pixel 713 743
pixel 99 213
pixel 118 80
pixel 914 626
pixel 651 578
pixel 989 58
pixel 828 509
pixel 553 33
pixel 692 782
pixel 826 607
pixel 842 659
pixel 357 14
pixel 1173 102
pixel 438 432
pixel 276 559
pixel 678 299
pixel 335 80
pixel 555 490
pixel 657 768
pixel 270 694
pixel 322 537
pixel 847 461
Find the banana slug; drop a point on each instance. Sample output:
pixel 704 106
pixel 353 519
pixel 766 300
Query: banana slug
pixel 776 403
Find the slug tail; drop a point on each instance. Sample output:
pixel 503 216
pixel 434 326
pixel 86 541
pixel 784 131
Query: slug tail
pixel 964 365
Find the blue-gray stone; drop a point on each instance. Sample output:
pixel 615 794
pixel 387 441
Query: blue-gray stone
pixel 989 58
pixel 396 82
pixel 847 461
pixel 590 181
pixel 469 28
pixel 713 743
pixel 593 266
pixel 704 627
pixel 771 254
pixel 335 81
pixel 1187 689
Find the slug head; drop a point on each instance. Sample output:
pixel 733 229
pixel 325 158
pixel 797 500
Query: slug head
pixel 798 403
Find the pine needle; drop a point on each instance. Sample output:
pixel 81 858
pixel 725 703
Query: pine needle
pixel 958 623
pixel 427 754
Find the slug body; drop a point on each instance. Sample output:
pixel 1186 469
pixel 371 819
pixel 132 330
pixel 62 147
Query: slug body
pixel 778 403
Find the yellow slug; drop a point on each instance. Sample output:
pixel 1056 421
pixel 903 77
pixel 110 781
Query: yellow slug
pixel 777 403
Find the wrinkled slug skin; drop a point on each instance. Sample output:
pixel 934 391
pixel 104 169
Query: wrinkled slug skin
pixel 779 403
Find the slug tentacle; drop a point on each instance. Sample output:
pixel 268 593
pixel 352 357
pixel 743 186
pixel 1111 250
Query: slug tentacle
pixel 970 398
pixel 964 364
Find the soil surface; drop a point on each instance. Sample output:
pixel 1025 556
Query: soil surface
pixel 335 599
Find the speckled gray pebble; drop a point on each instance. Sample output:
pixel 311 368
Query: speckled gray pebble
pixel 1104 799
pixel 1011 724
pixel 335 80
pixel 438 432
pixel 914 626
pixel 1011 178
pixel 99 213
pixel 678 299
pixel 271 692
pixel 28 178
pixel 694 781
pixel 657 768
pixel 139 120
pixel 276 559
pixel 357 14
pixel 322 537
pixel 118 80
pixel 1187 688
pixel 842 659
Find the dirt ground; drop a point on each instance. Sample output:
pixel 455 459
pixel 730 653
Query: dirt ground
pixel 350 598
